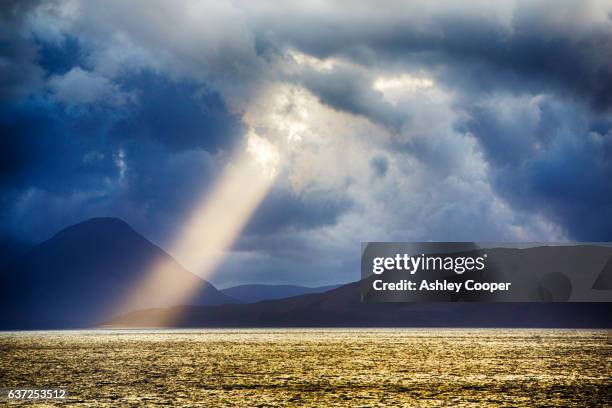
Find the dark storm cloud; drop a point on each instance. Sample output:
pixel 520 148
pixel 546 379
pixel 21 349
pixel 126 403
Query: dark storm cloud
pixel 59 168
pixel 468 49
pixel 22 75
pixel 13 11
pixel 348 90
pixel 578 197
pixel 65 158
pixel 42 155
pixel 181 115
pixel 138 139
pixel 283 210
pixel 509 139
pixel 551 158
pixel 19 73
pixel 379 165
pixel 145 161
pixel 59 148
pixel 532 60
pixel 57 58
pixel 41 146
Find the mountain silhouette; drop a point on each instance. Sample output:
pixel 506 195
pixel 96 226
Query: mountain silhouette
pixel 343 306
pixel 88 272
pixel 256 293
pixel 100 268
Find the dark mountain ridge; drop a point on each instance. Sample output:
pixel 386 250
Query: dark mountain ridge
pixel 255 293
pixel 82 275
pixel 343 306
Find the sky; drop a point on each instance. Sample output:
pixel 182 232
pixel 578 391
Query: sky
pixel 389 121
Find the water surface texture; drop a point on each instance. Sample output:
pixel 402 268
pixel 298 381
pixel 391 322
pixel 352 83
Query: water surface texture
pixel 326 367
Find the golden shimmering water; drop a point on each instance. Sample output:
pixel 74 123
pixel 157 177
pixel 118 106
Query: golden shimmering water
pixel 314 367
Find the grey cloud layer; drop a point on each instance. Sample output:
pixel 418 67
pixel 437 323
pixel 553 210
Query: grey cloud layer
pixel 533 46
pixel 112 108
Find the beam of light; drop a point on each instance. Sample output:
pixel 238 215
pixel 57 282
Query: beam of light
pixel 210 231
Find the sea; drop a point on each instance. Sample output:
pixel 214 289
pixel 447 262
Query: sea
pixel 310 367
